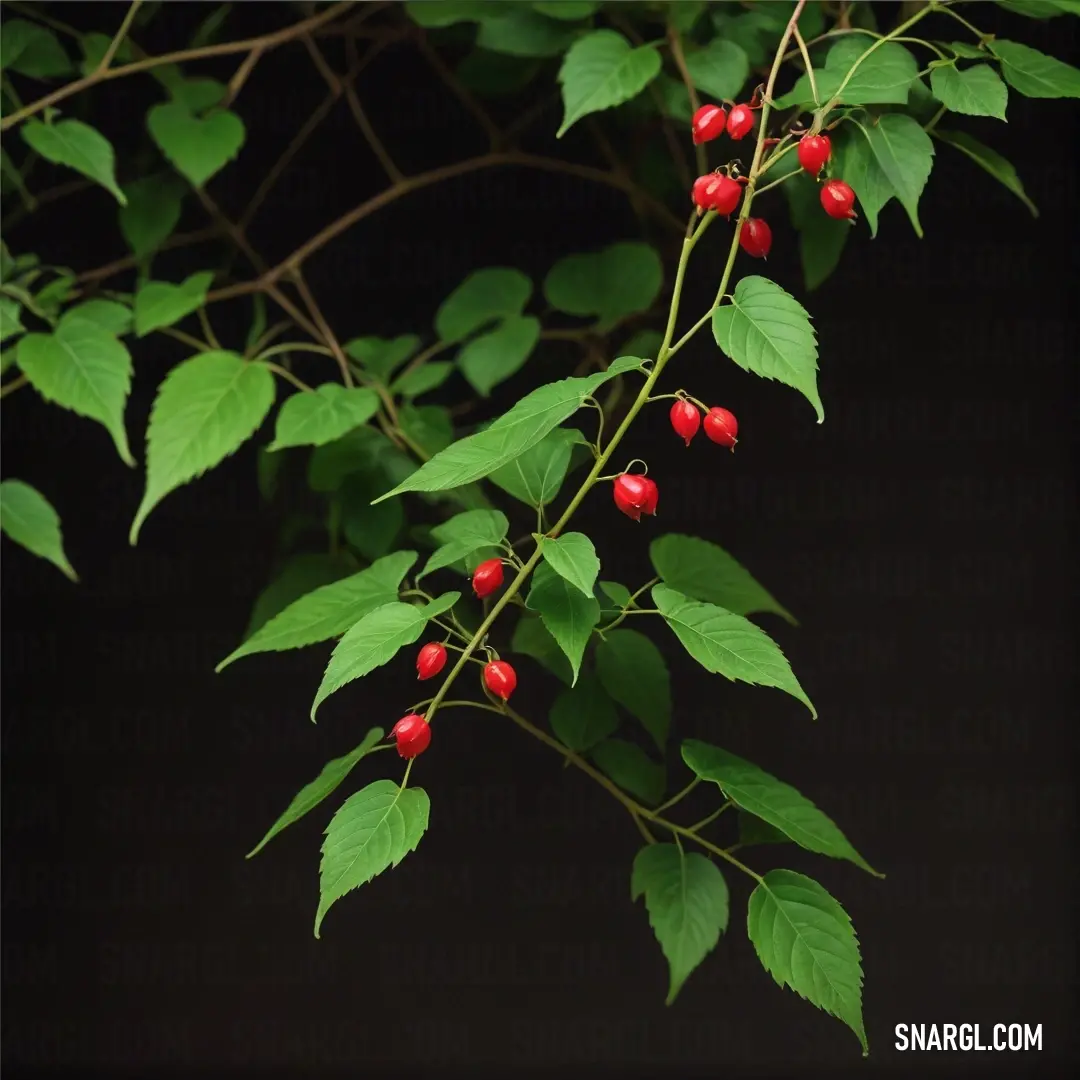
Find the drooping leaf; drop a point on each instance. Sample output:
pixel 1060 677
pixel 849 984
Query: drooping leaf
pixel 463 534
pixel 520 32
pixel 152 212
pixel 906 154
pixel 975 91
pixel 536 476
pixel 493 357
pixel 205 410
pixel 573 557
pixel 720 69
pixel 110 315
pixel 298 576
pixel 532 638
pixel 495 292
pixel 79 147
pixel 161 303
pixel 688 904
pixel 198 147
pixel 632 769
pixel 322 787
pixel 1000 169
pixel 728 644
pixel 424 379
pixel 29 519
pixel 316 417
pixel 583 715
pixel 633 671
pixel 33 50
pixel 1034 74
pixel 611 284
pixel 569 616
pixel 373 831
pixel 382 356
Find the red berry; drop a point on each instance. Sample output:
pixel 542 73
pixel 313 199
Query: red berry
pixel 813 152
pixel 755 237
pixel 413 734
pixel 837 198
pixel 487 577
pixel 651 498
pixel 430 660
pixel 685 419
pixel 721 426
pixel 739 122
pixel 631 494
pixel 500 678
pixel 715 191
pixel 708 123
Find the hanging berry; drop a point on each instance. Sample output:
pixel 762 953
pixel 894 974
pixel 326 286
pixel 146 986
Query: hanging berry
pixel 413 734
pixel 718 192
pixel 631 494
pixel 813 151
pixel 652 497
pixel 685 419
pixel 500 678
pixel 755 237
pixel 430 660
pixel 837 199
pixel 708 123
pixel 740 121
pixel 487 577
pixel 721 426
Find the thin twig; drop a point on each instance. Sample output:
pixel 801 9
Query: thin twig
pixel 809 67
pixel 677 54
pixel 459 91
pixel 324 327
pixel 241 75
pixel 110 52
pixel 128 262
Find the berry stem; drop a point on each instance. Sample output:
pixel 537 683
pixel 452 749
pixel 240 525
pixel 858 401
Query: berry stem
pixel 806 60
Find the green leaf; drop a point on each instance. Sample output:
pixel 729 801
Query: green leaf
pixel 151 213
pixel 363 450
pixel 621 280
pixel 684 14
pixel 197 147
pixel 195 95
pixel 160 303
pixel 704 571
pixel 205 410
pixel 753 31
pixel 330 610
pixel 11 322
pixel 906 154
pixel 79 147
pixel 602 70
pixel 618 594
pixel 81 367
pixel 883 78
pixel 753 831
pixel 322 787
pixel 483 297
pixel 518 430
pixel 965 50
pixel 374 830
pixel 423 379
pixel 855 161
pixel 375 640
pixel 583 715
pixel 532 638
pixel 644 343
pixel 754 790
pixel 767 331
pixel 429 426
pixel 381 356
pixel 688 904
pixel 821 238
pixel 463 534
pixel 566 613
pixel 521 32
pixel 1000 169
pixel 727 644
pixel 633 671
pixel 573 557
pixel 32 50
pixel 493 357
pixel 110 315
pixel 805 940
pixel 449 12
pixel 298 576
pixel 95 46
pixel 975 91
pixel 54 295
pixel 570 10
pixel 1040 9
pixel 1034 74
pixel 29 519
pixel 720 69
pixel 316 417
pixel 370 530
pixel 536 476
pixel 632 769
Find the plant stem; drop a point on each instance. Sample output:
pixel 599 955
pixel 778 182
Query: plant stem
pixel 125 26
pixel 960 19
pixel 284 373
pixel 679 797
pixel 809 67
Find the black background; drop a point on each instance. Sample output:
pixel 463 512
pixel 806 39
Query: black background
pixel 923 535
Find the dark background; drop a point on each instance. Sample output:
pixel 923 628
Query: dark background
pixel 923 535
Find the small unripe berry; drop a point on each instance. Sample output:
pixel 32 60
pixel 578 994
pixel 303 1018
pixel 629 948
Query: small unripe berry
pixel 500 678
pixel 739 122
pixel 652 497
pixel 413 734
pixel 487 577
pixel 721 426
pixel 837 199
pixel 813 151
pixel 714 191
pixel 708 123
pixel 685 419
pixel 430 660
pixel 755 237
pixel 631 494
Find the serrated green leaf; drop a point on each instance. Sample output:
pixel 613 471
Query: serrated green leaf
pixel 1034 74
pixel 536 476
pixel 805 941
pixel 375 640
pixel 373 831
pixel 110 315
pixel 382 356
pixel 79 147
pixel 463 534
pixel 765 330
pixel 11 321
pixel 298 576
pixel 720 69
pixel 198 147
pixel 322 787
pixel 855 162
pixel 566 613
pixel 524 33
pixel 532 638
pixel 32 50
pixel 583 715
pixel 29 519
pixel 573 557
pixel 493 357
pixel 759 793
pixel 633 671
pixel 906 154
pixel 330 610
pixel 1000 169
pixel 688 904
pixel 483 297
pixel 602 70
pixel 205 410
pixel 611 284
pixel 705 571
pixel 632 769
pixel 423 379
pixel 161 303
pixel 81 367
pixel 152 212
pixel 316 417
pixel 975 91
pixel 728 644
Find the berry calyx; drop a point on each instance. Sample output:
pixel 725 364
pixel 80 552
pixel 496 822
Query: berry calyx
pixel 715 191
pixel 631 493
pixel 500 678
pixel 721 426
pixel 652 497
pixel 487 577
pixel 739 122
pixel 755 237
pixel 685 419
pixel 837 199
pixel 813 151
pixel 430 660
pixel 707 123
pixel 413 734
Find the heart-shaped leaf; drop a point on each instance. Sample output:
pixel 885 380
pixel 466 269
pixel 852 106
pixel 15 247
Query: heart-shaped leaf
pixel 161 303
pixel 198 148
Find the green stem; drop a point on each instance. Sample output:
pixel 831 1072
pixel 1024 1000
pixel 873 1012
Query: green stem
pixel 961 20
pixel 125 26
pixel 711 818
pixel 678 798
pixel 285 374
pixel 294 346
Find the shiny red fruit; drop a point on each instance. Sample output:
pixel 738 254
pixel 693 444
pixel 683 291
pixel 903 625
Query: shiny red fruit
pixel 837 199
pixel 651 498
pixel 685 419
pixel 721 426
pixel 631 494
pixel 755 237
pixel 813 151
pixel 413 734
pixel 740 121
pixel 500 678
pixel 430 660
pixel 715 191
pixel 708 123
pixel 487 577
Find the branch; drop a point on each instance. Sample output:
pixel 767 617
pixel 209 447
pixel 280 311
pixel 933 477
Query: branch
pixel 125 26
pixel 675 40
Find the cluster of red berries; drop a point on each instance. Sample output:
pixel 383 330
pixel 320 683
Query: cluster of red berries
pixel 720 424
